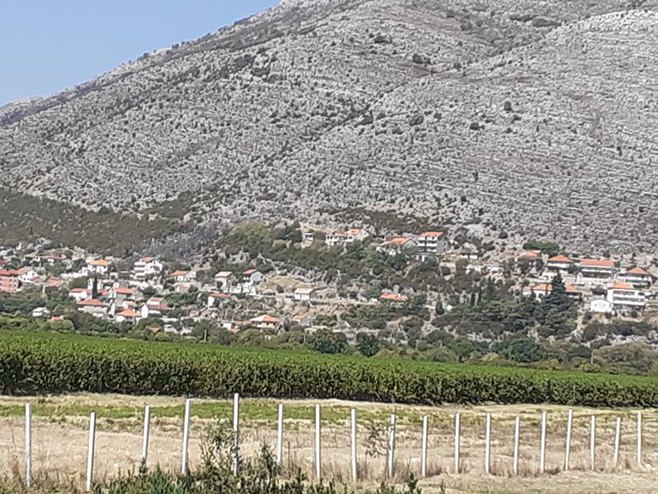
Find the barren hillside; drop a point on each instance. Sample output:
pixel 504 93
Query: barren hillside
pixel 539 117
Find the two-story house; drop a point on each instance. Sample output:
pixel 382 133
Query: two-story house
pixel 624 297
pixel 9 280
pixel 560 264
pixel 431 244
pixel 147 267
pixel 225 281
pixel 637 277
pixel 97 266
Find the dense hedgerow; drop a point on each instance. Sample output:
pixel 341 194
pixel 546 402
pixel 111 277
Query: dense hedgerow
pixel 32 363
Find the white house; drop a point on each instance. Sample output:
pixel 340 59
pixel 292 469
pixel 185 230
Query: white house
pixel 27 275
pixel 541 290
pixel 396 245
pixel 225 281
pixel 121 294
pixel 214 299
pixel 97 266
pixel 354 235
pixel 154 307
pixel 637 277
pixel 251 278
pixel 340 237
pixel 41 312
pixel 431 242
pixel 183 276
pixel 600 306
pixel 147 266
pixel 128 315
pixel 597 268
pixel 78 294
pixel 304 294
pixel 560 263
pixel 265 322
pixel 625 297
pixel 94 307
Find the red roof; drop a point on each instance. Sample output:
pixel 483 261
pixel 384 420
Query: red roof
pixel 266 319
pixel 10 272
pixel 393 297
pixel 219 295
pixel 431 234
pixel 180 273
pixel 249 272
pixel 597 263
pixel 531 255
pixel 621 286
pixel 98 262
pixel 54 282
pixel 399 241
pixel 128 313
pixel 638 271
pixel 560 259
pixel 92 302
pixel 123 291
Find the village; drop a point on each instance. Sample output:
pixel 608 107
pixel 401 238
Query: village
pixel 165 297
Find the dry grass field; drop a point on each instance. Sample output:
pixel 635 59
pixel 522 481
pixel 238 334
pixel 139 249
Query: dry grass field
pixel 60 442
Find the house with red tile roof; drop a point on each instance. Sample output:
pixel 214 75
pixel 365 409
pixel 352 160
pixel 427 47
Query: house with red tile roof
pixel 127 315
pixel 625 298
pixel 637 277
pixel 94 307
pixel 531 256
pixel 541 290
pixel 9 280
pixel 97 266
pixel 560 263
pixel 597 268
pixel 393 298
pixel 266 322
pixel 396 245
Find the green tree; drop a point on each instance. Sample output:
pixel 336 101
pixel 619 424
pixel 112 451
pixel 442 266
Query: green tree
pixel 522 350
pixel 325 341
pixel 368 344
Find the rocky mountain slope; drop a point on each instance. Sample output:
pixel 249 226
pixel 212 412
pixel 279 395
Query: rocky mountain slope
pixel 533 116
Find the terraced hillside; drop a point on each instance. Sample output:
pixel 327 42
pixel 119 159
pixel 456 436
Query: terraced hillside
pixel 535 116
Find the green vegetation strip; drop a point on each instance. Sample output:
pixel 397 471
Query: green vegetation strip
pixel 33 363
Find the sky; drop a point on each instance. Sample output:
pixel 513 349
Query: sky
pixel 50 45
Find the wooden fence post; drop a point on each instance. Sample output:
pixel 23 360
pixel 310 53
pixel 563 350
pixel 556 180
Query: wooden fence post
pixel 615 450
pixel 515 465
pixel 318 449
pixel 279 434
pixel 567 446
pixel 28 444
pixel 146 432
pixel 236 432
pixel 487 444
pixel 638 449
pixel 423 452
pixel 457 441
pixel 184 468
pixel 90 450
pixel 355 473
pixel 391 447
pixel 542 443
pixel 592 442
